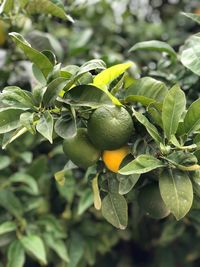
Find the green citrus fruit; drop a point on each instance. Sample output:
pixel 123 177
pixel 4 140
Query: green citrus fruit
pixel 151 202
pixel 80 150
pixel 110 128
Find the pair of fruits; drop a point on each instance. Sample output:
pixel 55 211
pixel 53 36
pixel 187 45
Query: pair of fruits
pixel 108 130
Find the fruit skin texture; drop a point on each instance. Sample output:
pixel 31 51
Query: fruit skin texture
pixel 151 202
pixel 110 128
pixel 113 158
pixel 80 150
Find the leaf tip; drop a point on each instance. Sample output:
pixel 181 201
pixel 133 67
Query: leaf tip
pixel 70 18
pixel 122 227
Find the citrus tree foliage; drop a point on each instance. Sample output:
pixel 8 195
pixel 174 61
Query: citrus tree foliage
pixel 61 93
pixel 34 225
pixel 164 152
pixel 54 8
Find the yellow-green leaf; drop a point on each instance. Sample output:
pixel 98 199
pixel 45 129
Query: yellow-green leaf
pixel 105 77
pixel 95 188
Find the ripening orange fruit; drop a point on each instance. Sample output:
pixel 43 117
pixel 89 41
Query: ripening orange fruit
pixel 113 158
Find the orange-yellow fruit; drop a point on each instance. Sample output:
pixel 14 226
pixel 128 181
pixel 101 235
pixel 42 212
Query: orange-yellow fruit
pixel 113 158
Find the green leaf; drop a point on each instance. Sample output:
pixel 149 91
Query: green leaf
pixel 76 250
pixel 112 183
pixel 10 202
pixel 6 6
pixel 115 210
pixel 4 162
pixel 197 154
pixel 86 78
pixel 70 70
pixel 47 7
pixel 90 251
pixel 27 120
pixel 53 90
pixel 139 99
pixel 38 93
pixel 86 201
pixel 39 76
pixel 67 191
pixel 142 164
pixel 165 256
pixel 39 59
pixel 60 177
pixel 127 182
pixel 35 247
pixel 196 182
pixel 17 98
pixel 184 161
pixel 146 91
pixel 103 79
pixel 171 231
pixel 94 64
pixel 27 156
pixel 7 227
pixel 197 139
pixel 176 191
pixel 80 42
pixel 23 3
pixel 57 245
pixel 52 225
pixel 155 111
pixel 194 17
pixel 45 126
pixel 26 179
pixel 52 58
pixel 86 95
pixel 190 53
pixel 192 118
pixel 16 255
pixel 154 45
pixel 112 98
pixel 9 120
pixel 65 127
pixel 44 41
pixel 173 108
pixel 108 75
pixel 38 167
pixel 152 130
pixel 13 135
